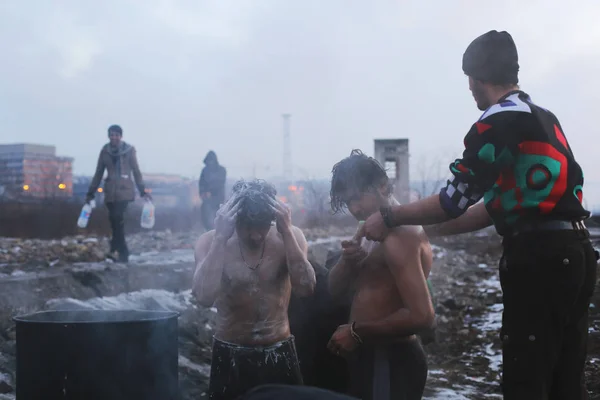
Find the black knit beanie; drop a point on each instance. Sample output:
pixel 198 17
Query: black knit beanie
pixel 116 129
pixel 492 58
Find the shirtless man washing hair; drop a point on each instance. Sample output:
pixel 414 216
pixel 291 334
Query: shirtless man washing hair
pixel 248 268
pixel 387 284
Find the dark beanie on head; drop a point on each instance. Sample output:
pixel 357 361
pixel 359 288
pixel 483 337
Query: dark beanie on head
pixel 116 129
pixel 493 58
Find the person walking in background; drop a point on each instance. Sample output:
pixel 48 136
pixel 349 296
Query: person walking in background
pixel 120 161
pixel 212 189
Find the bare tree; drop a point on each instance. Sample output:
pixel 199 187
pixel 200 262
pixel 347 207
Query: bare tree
pixel 431 173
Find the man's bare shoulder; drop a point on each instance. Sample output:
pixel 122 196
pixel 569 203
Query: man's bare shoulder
pixel 203 244
pixel 409 234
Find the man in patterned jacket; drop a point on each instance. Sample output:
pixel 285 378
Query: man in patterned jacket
pixel 517 159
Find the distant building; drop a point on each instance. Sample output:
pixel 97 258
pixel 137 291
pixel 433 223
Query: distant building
pixel 34 171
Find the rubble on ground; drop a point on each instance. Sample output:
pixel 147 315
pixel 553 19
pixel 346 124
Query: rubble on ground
pixel 465 359
pixel 93 249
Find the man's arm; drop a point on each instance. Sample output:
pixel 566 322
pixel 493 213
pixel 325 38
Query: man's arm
pixel 209 256
pixel 343 274
pixel 402 252
pixel 302 274
pixel 137 174
pixel 97 178
pixel 489 147
pixel 474 219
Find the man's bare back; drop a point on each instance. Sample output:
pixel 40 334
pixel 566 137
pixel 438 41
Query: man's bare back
pixel 252 304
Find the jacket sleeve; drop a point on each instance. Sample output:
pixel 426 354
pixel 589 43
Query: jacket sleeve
pixel 100 167
pixel 488 150
pixel 137 174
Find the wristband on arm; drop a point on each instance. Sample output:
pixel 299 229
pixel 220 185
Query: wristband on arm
pixel 386 213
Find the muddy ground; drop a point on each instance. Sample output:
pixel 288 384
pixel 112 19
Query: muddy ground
pixel 464 361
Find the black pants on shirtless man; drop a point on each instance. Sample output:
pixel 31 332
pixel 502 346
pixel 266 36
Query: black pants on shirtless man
pixel 387 283
pixel 248 269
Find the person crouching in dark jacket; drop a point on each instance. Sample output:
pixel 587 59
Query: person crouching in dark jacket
pixel 120 161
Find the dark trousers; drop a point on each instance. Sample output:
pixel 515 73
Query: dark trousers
pixel 394 371
pixel 547 280
pixel 236 369
pixel 116 215
pixel 208 212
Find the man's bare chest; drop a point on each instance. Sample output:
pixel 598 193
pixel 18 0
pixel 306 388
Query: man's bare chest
pixel 253 272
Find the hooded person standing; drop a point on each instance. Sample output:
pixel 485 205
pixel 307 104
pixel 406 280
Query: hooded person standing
pixel 212 189
pixel 120 161
pixel 518 161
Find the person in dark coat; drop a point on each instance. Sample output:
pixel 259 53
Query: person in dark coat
pixel 211 187
pixel 119 159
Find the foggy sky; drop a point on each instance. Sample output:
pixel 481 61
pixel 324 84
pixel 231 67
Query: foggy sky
pixel 184 77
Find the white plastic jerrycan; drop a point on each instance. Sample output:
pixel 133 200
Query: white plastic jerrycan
pixel 147 220
pixel 86 212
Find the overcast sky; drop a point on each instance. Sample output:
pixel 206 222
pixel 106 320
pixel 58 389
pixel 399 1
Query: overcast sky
pixel 183 77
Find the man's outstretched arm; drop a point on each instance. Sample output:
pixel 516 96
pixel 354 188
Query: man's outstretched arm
pixel 403 256
pixel 474 219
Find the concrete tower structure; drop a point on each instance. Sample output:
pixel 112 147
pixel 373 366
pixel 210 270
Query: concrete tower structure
pixel 394 156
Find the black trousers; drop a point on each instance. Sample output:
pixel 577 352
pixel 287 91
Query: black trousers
pixel 208 212
pixel 547 280
pixel 395 371
pixel 116 215
pixel 236 369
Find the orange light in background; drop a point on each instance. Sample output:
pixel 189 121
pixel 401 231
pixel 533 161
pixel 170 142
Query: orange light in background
pixel 292 188
pixel 283 199
pixel 62 186
pixel 100 190
pixel 147 190
pixel 301 188
pixel 25 187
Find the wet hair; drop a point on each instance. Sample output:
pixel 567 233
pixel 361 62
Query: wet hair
pixel 255 196
pixel 116 129
pixel 355 174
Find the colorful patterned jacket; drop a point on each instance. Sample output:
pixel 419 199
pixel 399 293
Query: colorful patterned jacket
pixel 518 160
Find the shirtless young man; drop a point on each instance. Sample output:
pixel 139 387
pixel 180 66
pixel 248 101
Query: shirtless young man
pixel 248 268
pixel 387 282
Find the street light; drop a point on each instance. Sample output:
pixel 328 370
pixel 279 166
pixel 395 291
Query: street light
pixel 25 187
pixel 62 186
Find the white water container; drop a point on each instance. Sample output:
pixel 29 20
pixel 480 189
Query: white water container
pixel 86 212
pixel 147 220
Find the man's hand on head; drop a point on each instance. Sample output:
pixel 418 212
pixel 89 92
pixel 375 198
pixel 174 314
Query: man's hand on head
pixel 283 216
pixel 226 218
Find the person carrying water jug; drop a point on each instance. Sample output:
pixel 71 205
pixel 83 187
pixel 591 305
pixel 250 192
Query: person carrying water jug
pixel 120 161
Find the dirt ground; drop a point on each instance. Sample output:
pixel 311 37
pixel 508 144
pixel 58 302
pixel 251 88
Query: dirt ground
pixel 463 361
